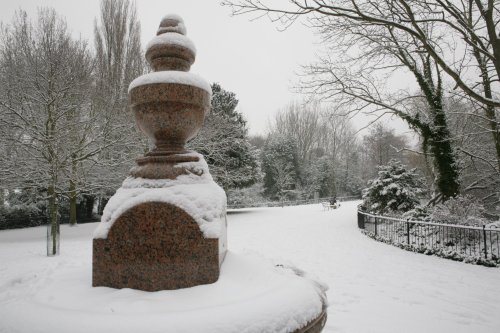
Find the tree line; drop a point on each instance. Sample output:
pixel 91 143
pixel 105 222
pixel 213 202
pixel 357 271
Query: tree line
pixel 67 137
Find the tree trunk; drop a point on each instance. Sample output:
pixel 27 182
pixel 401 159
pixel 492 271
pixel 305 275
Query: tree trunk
pixel 440 146
pixel 489 109
pixel 102 203
pixel 436 135
pixel 495 131
pixel 53 226
pixel 89 206
pixel 72 196
pixel 72 204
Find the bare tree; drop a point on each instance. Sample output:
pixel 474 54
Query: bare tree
pixel 338 135
pixel 119 60
pixel 301 121
pixel 46 77
pixel 119 57
pixel 476 151
pixel 356 83
pixel 315 127
pixel 383 145
pixel 326 145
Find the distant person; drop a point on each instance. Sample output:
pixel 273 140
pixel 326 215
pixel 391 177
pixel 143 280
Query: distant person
pixel 333 201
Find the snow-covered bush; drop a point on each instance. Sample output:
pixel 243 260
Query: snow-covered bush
pixel 419 213
pixel 22 216
pixel 396 189
pixel 245 197
pixel 463 210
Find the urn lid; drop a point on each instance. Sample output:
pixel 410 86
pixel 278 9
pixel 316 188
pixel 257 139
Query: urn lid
pixel 171 49
pixel 171 23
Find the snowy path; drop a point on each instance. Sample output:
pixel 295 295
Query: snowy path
pixel 374 287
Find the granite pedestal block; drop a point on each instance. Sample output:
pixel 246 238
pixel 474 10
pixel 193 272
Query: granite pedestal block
pixel 155 246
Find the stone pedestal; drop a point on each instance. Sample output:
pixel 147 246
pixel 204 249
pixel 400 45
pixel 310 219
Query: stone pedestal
pixel 165 227
pixel 155 246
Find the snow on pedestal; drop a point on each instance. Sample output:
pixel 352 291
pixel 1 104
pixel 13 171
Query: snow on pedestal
pixel 162 234
pixel 198 196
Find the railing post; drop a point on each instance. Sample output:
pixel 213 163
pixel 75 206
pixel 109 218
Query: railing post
pixel 484 239
pixel 376 227
pixel 361 220
pixel 408 232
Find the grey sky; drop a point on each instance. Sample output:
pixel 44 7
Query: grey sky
pixel 252 59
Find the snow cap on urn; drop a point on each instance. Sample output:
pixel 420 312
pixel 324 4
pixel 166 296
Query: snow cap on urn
pixel 171 23
pixel 171 49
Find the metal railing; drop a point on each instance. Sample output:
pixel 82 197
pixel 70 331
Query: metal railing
pixel 467 241
pixel 292 202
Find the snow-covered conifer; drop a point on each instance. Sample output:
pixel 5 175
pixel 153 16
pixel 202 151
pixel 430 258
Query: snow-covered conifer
pixel 223 141
pixel 396 189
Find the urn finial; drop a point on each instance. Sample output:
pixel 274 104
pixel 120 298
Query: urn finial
pixel 172 23
pixel 171 50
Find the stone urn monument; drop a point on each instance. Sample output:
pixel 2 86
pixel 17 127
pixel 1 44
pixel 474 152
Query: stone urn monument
pixel 165 228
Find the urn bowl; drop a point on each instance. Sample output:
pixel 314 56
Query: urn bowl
pixel 169 113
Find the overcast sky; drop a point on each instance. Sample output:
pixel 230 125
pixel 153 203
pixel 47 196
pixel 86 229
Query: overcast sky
pixel 252 59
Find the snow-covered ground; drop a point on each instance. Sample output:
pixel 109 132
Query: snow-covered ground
pixel 374 287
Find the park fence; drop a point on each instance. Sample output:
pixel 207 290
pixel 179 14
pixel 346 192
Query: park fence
pixel 458 242
pixel 291 202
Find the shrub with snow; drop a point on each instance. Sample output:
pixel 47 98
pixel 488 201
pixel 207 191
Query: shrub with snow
pixel 22 215
pixel 419 213
pixel 245 197
pixel 463 210
pixel 396 189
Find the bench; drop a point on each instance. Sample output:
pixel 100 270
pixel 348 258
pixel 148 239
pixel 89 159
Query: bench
pixel 328 206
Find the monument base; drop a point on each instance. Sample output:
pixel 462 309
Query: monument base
pixel 155 246
pixel 162 234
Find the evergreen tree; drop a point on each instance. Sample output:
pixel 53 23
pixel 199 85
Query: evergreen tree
pixel 223 141
pixel 394 190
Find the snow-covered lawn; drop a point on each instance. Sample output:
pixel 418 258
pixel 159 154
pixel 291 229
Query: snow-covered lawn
pixel 374 287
